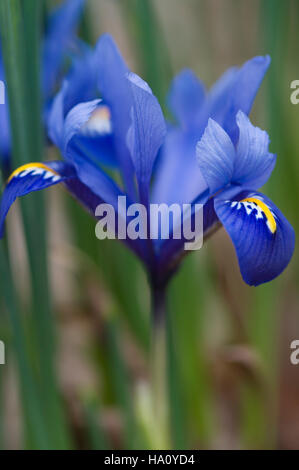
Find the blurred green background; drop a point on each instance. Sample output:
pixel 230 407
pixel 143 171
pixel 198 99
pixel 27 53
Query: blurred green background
pixel 77 366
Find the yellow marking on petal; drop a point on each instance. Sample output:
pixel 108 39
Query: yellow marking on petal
pixel 29 166
pixel 269 216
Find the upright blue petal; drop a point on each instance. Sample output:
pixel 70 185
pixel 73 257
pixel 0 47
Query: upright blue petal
pixel 97 137
pixel 219 95
pixel 86 167
pixel 215 157
pixel 247 83
pixel 254 163
pixel 185 99
pixel 146 134
pixel 75 121
pixel 263 238
pixel 5 137
pixel 59 38
pixel 82 79
pixel 177 178
pixel 55 119
pixel 177 161
pixel 139 82
pixel 235 91
pixel 115 91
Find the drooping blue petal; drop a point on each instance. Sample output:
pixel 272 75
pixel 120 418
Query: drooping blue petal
pixel 90 200
pixel 263 238
pixel 90 174
pixel 37 176
pixel 253 163
pixel 145 135
pixel 185 98
pixel 215 157
pixel 26 179
pixel 59 38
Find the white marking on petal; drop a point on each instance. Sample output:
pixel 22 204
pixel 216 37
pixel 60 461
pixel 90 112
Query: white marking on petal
pixel 48 174
pixel 99 123
pixel 56 178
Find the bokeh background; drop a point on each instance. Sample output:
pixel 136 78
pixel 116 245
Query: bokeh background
pixel 77 375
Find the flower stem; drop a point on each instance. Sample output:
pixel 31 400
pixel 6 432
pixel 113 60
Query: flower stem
pixel 159 370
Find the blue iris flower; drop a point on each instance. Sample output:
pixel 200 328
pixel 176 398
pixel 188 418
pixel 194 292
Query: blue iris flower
pixel 105 115
pixel 58 42
pixel 263 238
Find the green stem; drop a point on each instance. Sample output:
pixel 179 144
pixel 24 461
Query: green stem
pixel 39 438
pixel 160 370
pixel 20 30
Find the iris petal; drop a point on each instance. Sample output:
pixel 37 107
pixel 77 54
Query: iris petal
pixel 235 90
pixel 82 79
pixel 75 121
pixel 215 157
pixel 87 168
pixel 5 137
pixel 186 96
pixel 115 90
pixel 37 176
pixel 254 163
pixel 55 119
pixel 240 94
pixel 177 177
pixel 60 34
pixel 26 179
pixel 145 135
pixel 94 177
pixel 263 238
